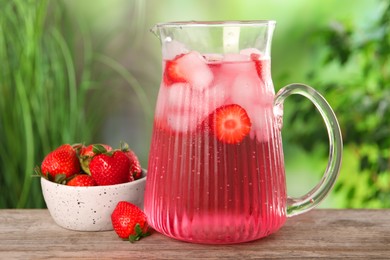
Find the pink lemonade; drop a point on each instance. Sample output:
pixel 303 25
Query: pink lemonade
pixel 216 175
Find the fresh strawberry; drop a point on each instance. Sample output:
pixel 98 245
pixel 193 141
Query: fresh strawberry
pixel 87 152
pixel 61 162
pixel 110 168
pixel 81 180
pixel 230 123
pixel 129 222
pixel 172 72
pixel 135 166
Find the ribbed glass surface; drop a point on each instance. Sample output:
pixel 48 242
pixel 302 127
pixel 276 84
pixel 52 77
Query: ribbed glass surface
pixel 205 190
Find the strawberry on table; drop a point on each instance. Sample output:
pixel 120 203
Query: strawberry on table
pixel 110 168
pixel 81 180
pixel 129 221
pixel 230 123
pixel 61 162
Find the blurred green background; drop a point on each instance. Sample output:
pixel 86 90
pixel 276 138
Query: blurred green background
pixel 89 71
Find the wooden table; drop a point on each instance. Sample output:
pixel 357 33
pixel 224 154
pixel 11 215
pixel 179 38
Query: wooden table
pixel 364 234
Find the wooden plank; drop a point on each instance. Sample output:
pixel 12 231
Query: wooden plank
pixel 356 234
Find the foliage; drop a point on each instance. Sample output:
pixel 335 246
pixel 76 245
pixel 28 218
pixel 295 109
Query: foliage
pixel 355 75
pixel 43 101
pixel 52 91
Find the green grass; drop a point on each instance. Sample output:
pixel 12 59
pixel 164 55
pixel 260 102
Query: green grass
pixel 50 91
pixel 42 100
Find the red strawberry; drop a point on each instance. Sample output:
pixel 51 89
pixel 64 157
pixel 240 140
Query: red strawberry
pixel 135 166
pixel 230 123
pixel 62 161
pixel 87 152
pixel 172 72
pixel 110 168
pixel 81 180
pixel 129 221
pixel 135 171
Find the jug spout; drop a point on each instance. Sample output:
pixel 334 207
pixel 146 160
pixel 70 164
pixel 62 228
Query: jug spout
pixel 155 31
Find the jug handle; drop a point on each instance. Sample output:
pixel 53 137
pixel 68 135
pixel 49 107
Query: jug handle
pixel 296 206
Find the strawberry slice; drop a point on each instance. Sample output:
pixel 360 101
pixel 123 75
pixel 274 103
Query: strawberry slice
pixel 231 123
pixel 173 73
pixel 258 65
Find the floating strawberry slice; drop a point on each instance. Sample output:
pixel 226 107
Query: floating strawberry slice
pixel 173 73
pixel 258 65
pixel 230 123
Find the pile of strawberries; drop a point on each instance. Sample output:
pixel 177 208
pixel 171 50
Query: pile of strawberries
pixel 92 165
pixel 99 164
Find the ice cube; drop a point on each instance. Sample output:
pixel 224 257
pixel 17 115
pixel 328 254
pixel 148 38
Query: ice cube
pixel 214 97
pixel 262 122
pixel 182 121
pixel 185 107
pixel 229 70
pixel 195 70
pixel 162 99
pixel 246 89
pixel 172 48
pixel 249 92
pixel 178 97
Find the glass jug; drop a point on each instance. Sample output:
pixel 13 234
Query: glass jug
pixel 216 168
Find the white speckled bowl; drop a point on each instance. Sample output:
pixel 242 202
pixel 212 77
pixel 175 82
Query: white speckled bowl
pixel 89 208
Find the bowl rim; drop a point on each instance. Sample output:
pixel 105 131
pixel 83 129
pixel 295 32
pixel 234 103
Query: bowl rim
pixel 143 178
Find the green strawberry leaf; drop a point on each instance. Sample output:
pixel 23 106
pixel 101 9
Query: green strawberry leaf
pixel 38 172
pixel 138 234
pixel 98 149
pixel 59 178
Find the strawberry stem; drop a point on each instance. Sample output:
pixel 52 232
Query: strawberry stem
pixel 124 146
pixel 77 147
pixel 139 233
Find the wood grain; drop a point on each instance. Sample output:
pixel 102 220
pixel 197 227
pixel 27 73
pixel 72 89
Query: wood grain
pixel 356 234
